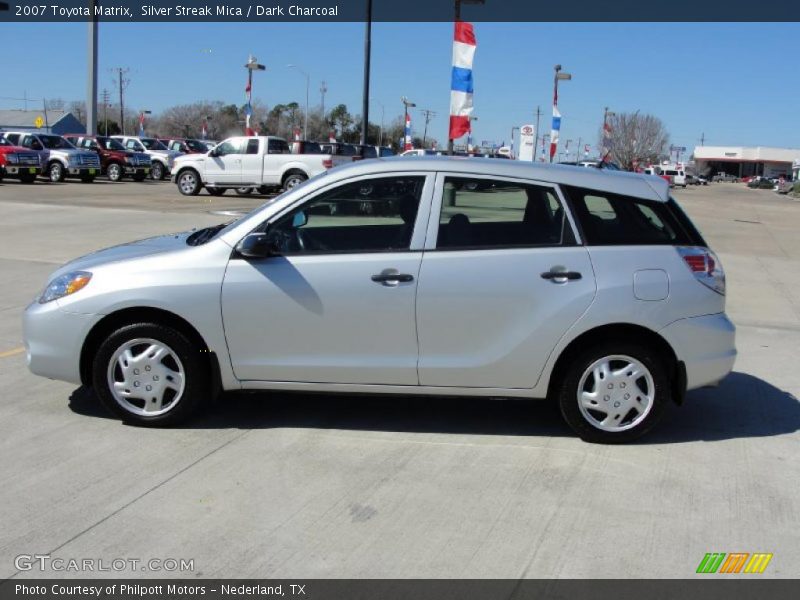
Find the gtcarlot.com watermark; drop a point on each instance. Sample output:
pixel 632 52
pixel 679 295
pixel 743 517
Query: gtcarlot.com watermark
pixel 58 564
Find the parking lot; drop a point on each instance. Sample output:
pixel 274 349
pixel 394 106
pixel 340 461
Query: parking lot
pixel 266 485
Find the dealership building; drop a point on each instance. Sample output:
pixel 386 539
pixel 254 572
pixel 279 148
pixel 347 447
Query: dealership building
pixel 745 162
pixel 43 121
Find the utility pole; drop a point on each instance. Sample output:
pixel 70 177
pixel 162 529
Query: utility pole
pixel 429 114
pixel 122 83
pixel 106 97
pixel 578 151
pixel 365 91
pixel 91 76
pixel 536 141
pixel 702 138
pixel 323 89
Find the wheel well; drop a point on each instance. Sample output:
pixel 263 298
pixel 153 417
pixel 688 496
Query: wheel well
pixel 293 172
pixel 619 331
pixel 127 316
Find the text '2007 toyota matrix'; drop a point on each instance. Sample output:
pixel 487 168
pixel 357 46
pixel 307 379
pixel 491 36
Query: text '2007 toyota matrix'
pixel 438 276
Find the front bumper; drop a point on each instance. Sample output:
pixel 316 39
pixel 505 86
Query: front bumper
pixel 81 171
pixel 706 345
pixel 20 170
pixel 133 171
pixel 54 339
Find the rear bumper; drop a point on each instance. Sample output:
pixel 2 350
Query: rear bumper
pixel 706 345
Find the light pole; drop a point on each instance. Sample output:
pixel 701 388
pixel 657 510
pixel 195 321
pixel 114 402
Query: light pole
pixel 536 133
pixel 323 89
pixel 559 76
pixel 407 137
pixel 252 65
pixel 365 91
pixel 513 129
pixel 308 84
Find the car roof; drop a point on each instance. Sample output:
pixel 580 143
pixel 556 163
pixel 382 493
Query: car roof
pixel 619 182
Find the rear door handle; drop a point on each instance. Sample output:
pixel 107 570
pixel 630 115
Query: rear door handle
pixel 392 278
pixel 559 276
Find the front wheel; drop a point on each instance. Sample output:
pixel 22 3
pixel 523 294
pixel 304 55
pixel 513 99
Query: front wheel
pixel 151 375
pixel 615 392
pixel 114 172
pixel 157 171
pixel 189 183
pixel 55 172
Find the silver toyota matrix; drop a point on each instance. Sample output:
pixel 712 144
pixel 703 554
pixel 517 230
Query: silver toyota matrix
pixel 423 275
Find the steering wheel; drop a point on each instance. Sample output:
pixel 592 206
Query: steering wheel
pixel 307 242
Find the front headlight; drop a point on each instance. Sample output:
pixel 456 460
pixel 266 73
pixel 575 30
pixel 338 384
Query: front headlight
pixel 128 160
pixel 64 285
pixel 12 158
pixel 72 159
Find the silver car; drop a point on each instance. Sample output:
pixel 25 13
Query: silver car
pixel 423 275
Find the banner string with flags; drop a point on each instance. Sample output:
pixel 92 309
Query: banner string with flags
pixel 461 84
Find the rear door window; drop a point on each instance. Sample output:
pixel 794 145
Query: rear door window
pixel 612 219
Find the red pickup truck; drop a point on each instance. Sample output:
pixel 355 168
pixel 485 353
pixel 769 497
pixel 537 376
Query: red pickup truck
pixel 116 161
pixel 19 163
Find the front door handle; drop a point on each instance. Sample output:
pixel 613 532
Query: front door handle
pixel 392 278
pixel 561 276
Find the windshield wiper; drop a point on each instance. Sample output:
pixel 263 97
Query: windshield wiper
pixel 201 236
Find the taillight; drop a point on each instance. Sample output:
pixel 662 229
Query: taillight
pixel 327 163
pixel 705 266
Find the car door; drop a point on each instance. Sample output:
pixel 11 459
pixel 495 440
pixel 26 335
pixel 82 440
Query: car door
pixel 32 143
pixel 252 162
pixel 503 277
pixel 272 163
pixel 336 303
pixel 224 163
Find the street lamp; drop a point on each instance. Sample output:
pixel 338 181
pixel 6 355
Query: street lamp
pixel 407 130
pixel 559 76
pixel 252 65
pixel 308 83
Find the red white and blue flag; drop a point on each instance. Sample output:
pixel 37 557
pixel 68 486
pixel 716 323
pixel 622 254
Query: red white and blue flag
pixel 141 124
pixel 407 143
pixel 248 108
pixel 461 86
pixel 555 131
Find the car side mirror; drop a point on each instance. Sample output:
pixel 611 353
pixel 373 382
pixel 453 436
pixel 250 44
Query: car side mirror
pixel 299 219
pixel 258 245
pixel 213 153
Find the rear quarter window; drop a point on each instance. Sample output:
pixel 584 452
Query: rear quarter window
pixel 608 219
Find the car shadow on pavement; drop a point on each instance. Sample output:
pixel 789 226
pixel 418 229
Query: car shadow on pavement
pixel 742 406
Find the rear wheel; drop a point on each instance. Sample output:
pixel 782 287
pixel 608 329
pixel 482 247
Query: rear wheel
pixel 244 191
pixel 157 171
pixel 615 392
pixel 189 183
pixel 293 179
pixel 55 172
pixel 149 374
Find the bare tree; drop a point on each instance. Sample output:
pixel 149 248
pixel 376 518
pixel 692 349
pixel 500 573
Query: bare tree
pixel 636 138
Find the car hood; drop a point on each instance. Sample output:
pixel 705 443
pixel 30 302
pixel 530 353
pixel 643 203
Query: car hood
pixel 138 249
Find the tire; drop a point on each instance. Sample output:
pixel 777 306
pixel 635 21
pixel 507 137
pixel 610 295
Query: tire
pixel 294 179
pixel 114 172
pixel 582 380
pixel 216 191
pixel 55 172
pixel 87 178
pixel 244 191
pixel 173 387
pixel 27 178
pixel 188 182
pixel 157 171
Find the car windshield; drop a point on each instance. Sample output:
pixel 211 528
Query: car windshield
pixel 55 142
pixel 196 145
pixel 152 144
pixel 110 144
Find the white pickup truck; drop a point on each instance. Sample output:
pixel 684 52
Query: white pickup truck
pixel 248 162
